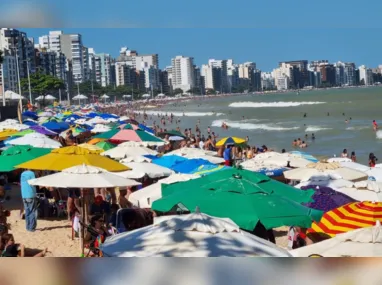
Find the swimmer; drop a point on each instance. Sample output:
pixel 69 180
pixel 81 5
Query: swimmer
pixel 305 115
pixel 306 136
pixel 346 121
pixel 328 114
pixel 375 126
pixel 313 137
pixel 343 114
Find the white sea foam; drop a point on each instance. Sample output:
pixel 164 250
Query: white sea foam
pixel 312 129
pixel 250 126
pixel 357 128
pixel 379 134
pixel 186 114
pixel 271 104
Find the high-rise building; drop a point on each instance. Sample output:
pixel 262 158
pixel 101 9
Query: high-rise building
pixel 256 80
pixel 315 78
pixel 222 74
pixel 267 81
pixel 8 73
pixel 125 75
pixel 207 72
pixel 232 74
pixel 164 81
pixel 365 75
pixel 86 63
pixel 349 74
pixel 151 78
pixel 328 74
pixel 299 68
pixel 183 73
pixel 145 61
pixel 106 61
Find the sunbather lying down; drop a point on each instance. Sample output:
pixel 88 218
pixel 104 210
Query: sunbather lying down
pixel 9 248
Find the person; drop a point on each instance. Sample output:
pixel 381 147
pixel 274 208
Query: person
pixel 247 139
pixel 303 144
pixel 375 126
pixel 69 138
pixel 29 196
pixel 208 130
pixel 227 155
pixel 99 207
pixel 344 153
pixel 283 150
pixel 297 238
pixel 201 143
pixel 122 200
pixel 73 202
pixel 298 142
pixel 304 115
pixel 12 249
pixel 294 143
pixel 249 153
pixel 313 137
pixel 353 156
pixel 372 160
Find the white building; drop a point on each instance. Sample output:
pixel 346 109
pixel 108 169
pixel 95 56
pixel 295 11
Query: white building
pixel 8 74
pixel 282 83
pixel 245 69
pixel 285 70
pixel 183 73
pixel 207 73
pixel 125 75
pixel 267 81
pixel 145 61
pixel 365 75
pixel 152 80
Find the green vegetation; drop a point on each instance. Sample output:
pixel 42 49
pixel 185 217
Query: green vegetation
pixel 42 84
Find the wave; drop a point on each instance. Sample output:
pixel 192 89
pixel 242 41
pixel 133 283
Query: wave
pixel 249 126
pixel 270 104
pixel 186 114
pixel 357 128
pixel 379 134
pixel 311 129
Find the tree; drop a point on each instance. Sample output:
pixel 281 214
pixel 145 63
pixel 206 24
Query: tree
pixel 177 91
pixel 210 91
pixel 194 90
pixel 42 84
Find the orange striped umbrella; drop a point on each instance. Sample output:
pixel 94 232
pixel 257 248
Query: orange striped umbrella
pixel 349 217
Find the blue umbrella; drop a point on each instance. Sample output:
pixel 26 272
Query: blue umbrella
pixel 191 165
pixel 169 161
pixel 29 123
pixel 147 129
pixel 30 114
pixel 305 155
pixel 272 172
pixel 57 127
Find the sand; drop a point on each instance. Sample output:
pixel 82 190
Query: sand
pixel 55 234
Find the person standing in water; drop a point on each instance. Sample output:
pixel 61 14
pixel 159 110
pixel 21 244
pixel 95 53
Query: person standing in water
pixel 375 126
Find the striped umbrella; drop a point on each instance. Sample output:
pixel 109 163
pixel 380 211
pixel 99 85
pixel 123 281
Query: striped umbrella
pixel 347 218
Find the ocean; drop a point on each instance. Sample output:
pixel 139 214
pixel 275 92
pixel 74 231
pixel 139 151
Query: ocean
pixel 277 119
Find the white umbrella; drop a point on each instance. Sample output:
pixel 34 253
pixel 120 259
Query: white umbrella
pixel 281 159
pixel 355 165
pixel 80 121
pixel 175 138
pixel 126 96
pixel 339 159
pixel 375 174
pixel 83 176
pixel 161 95
pixel 96 120
pixel 10 95
pixel 146 96
pixel 136 158
pixel 36 140
pixel 196 235
pixel 39 98
pixel 364 242
pixel 332 169
pixel 16 127
pixel 120 152
pixel 326 181
pixel 186 151
pixel 254 165
pixel 139 170
pixel 104 96
pixel 146 196
pixel 45 114
pixel 50 97
pixel 99 128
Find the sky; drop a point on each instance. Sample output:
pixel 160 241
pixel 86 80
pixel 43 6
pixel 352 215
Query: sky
pixel 264 32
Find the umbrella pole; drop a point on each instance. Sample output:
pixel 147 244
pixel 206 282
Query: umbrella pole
pixel 83 222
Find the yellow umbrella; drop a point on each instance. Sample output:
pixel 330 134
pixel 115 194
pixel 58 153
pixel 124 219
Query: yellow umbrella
pixel 231 140
pixel 7 133
pixel 91 147
pixel 66 157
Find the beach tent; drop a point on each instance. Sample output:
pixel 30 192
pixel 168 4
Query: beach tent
pixel 243 196
pixel 139 170
pixel 83 176
pixel 16 155
pixel 146 196
pixel 196 235
pixel 36 140
pixel 66 157
pixel 364 242
pixel 347 218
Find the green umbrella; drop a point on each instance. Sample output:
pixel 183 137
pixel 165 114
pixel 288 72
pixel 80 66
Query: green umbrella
pixel 171 133
pixel 243 196
pixel 23 133
pixel 19 154
pixel 105 145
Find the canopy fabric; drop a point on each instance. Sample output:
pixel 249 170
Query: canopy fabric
pixel 327 199
pixel 191 152
pixel 278 159
pixel 95 141
pixel 120 152
pixel 66 157
pixel 105 145
pixel 339 159
pixel 83 176
pixel 125 135
pixel 42 130
pixel 10 95
pixel 57 127
pixel 15 155
pixel 245 197
pixel 169 161
pixel 303 155
pixel 36 140
pixel 231 140
pixel 208 169
pixel 7 133
pixel 91 147
pixel 196 235
pixel 99 128
pixel 347 218
pixel 145 128
pixel 139 170
pixel 191 165
pixel 364 242
pixel 50 97
pixel 304 174
pixel 23 133
pixel 146 196
pixel 172 133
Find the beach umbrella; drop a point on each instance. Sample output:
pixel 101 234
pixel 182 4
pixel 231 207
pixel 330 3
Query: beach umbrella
pixel 332 169
pixel 30 122
pixel 278 159
pixel 145 128
pixel 7 133
pixel 104 96
pixel 126 96
pixel 303 155
pixel 354 165
pixel 231 140
pixel 161 95
pixel 95 141
pixel 15 155
pixel 56 126
pixel 139 170
pixel 40 98
pixel 128 134
pixel 105 145
pixel 23 133
pixel 83 176
pixel 209 158
pixel 91 147
pixel 147 195
pixel 135 158
pixel 10 95
pixel 30 114
pixel 191 165
pixel 45 114
pixel 326 199
pixel 191 152
pixel 120 152
pixel 169 161
pixel 243 196
pixel 50 97
pixel 375 174
pixel 175 138
pixel 326 181
pixel 146 96
pixel 172 133
pixel 258 166
pixel 364 242
pixel 339 159
pixel 42 130
pixel 208 169
pixel 100 128
pixel 196 235
pixel 66 157
pixel 36 140
pixel 347 218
